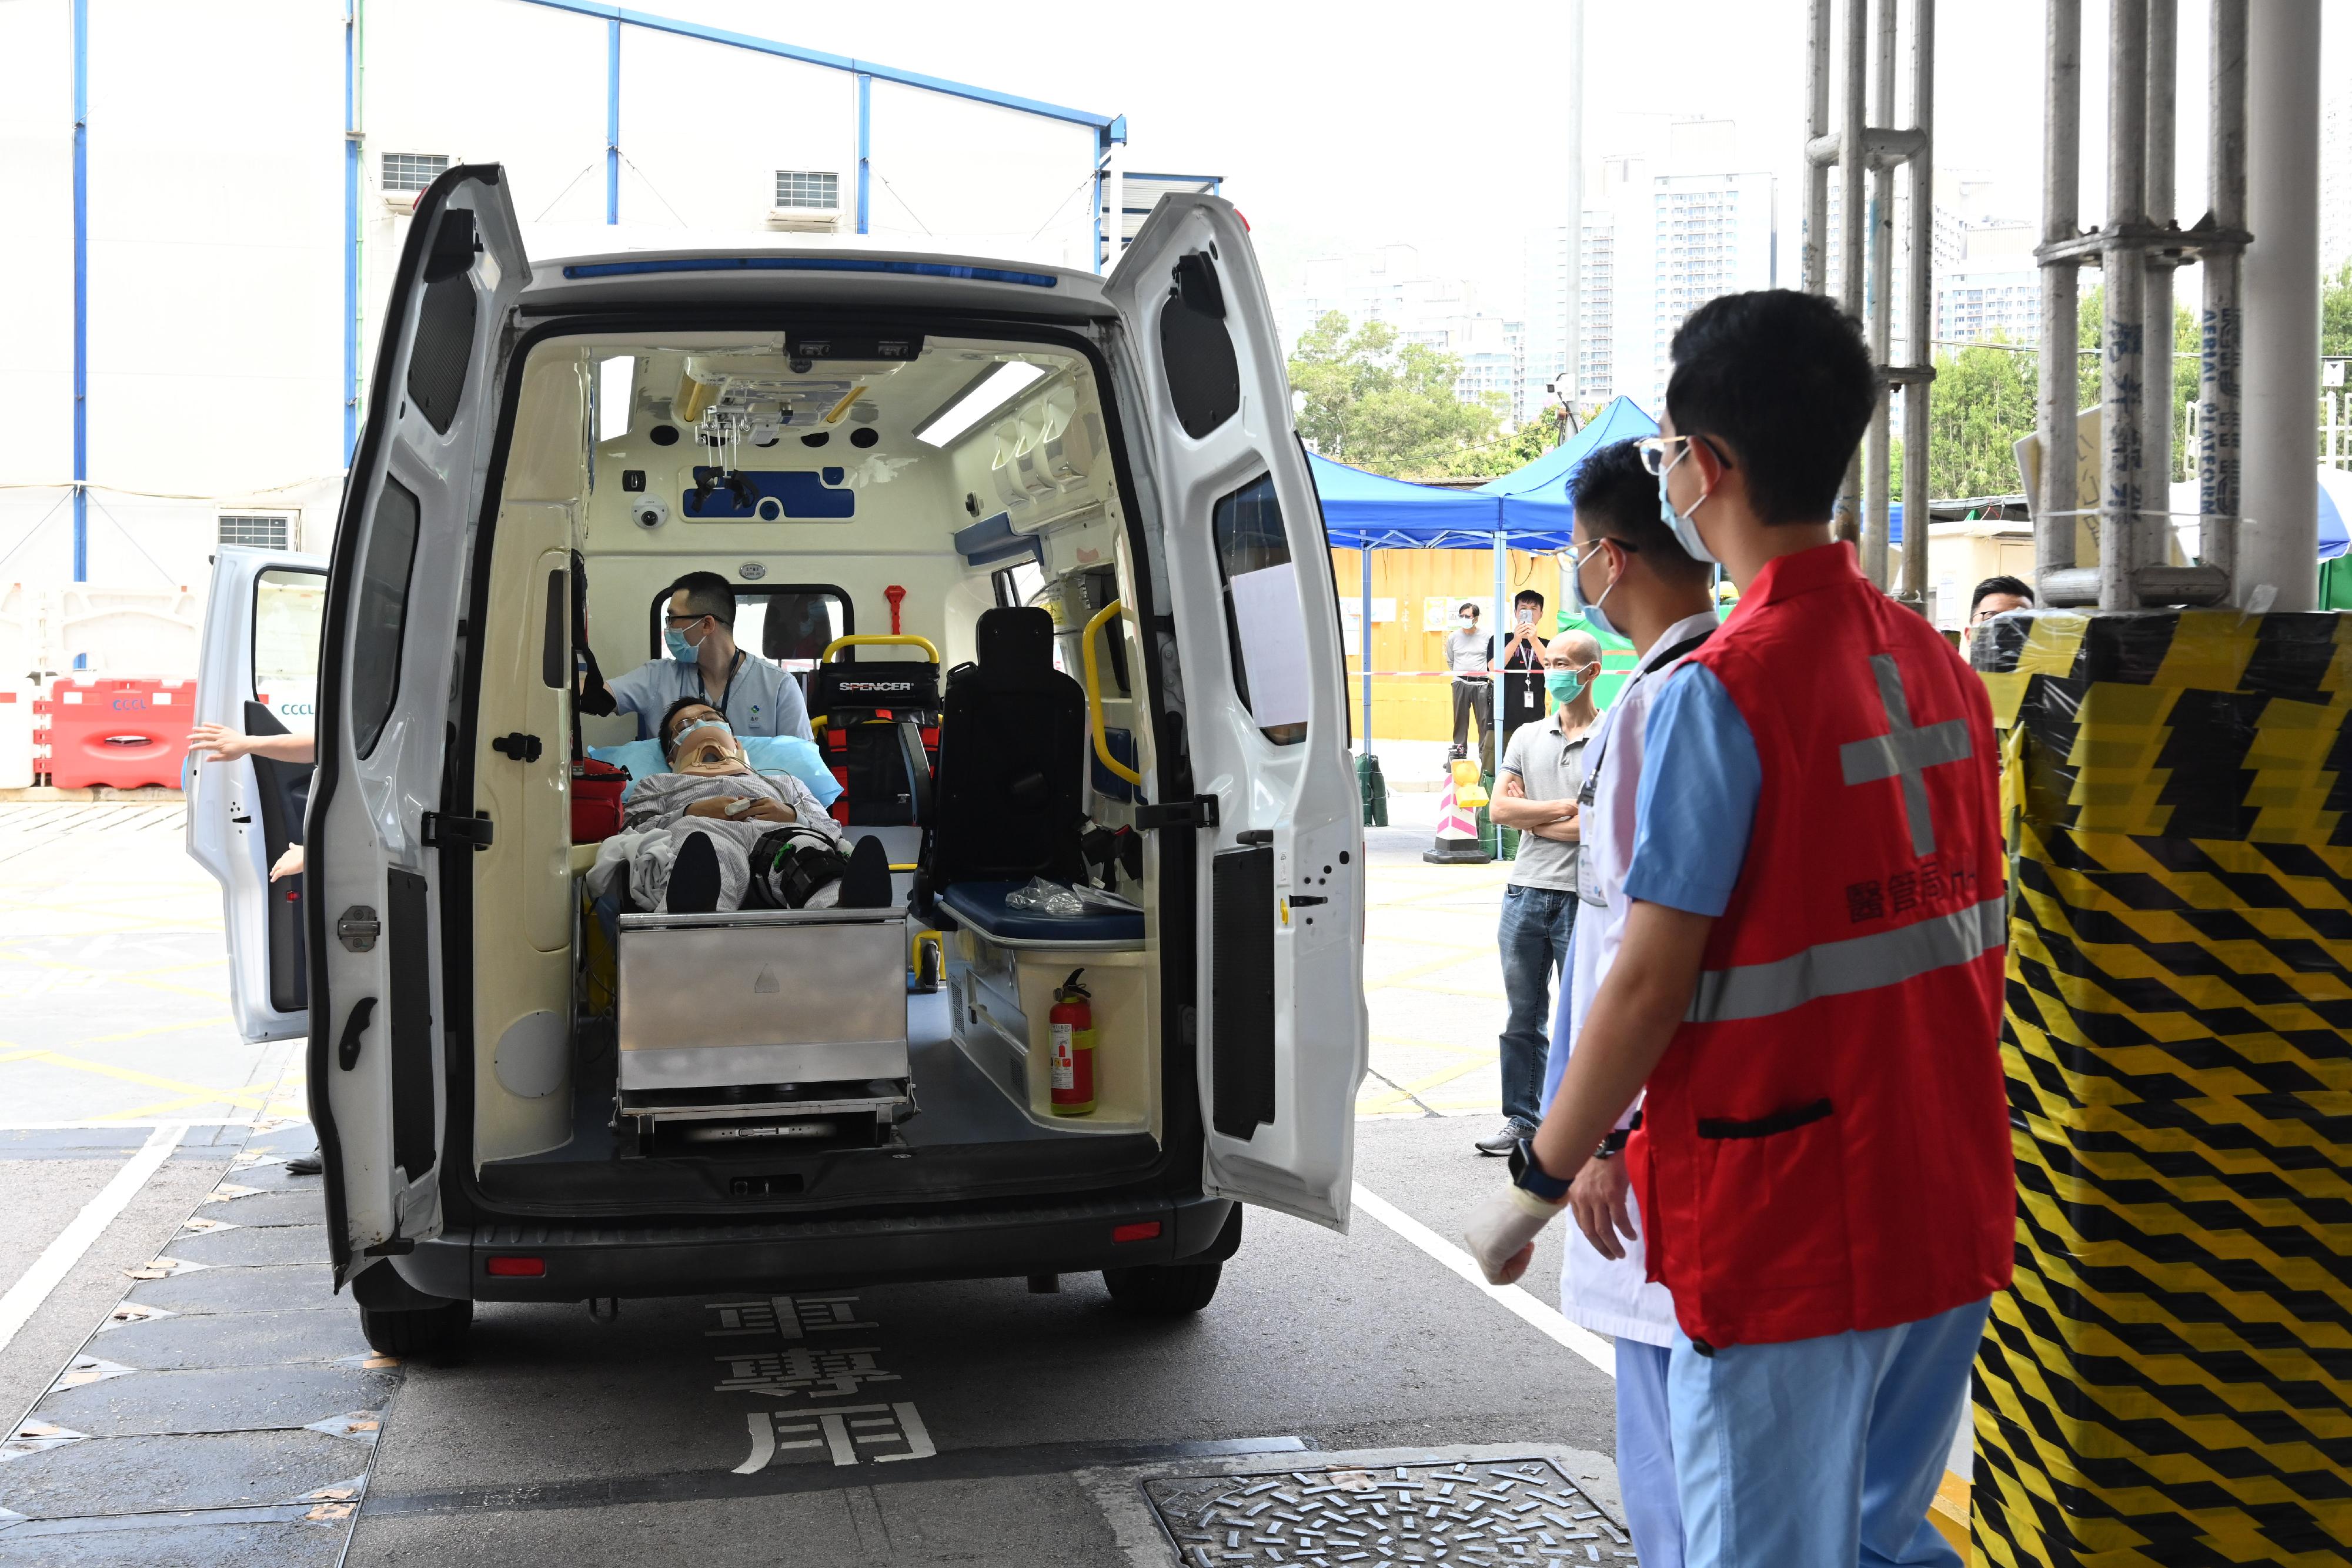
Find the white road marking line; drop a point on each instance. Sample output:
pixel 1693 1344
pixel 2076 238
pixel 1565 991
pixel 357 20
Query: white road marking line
pixel 57 1259
pixel 1544 1320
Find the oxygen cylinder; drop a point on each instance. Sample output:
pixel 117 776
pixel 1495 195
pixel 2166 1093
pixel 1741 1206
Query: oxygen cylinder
pixel 1073 1021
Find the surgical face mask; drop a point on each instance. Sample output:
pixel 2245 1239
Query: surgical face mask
pixel 1684 523
pixel 1589 608
pixel 1565 685
pixel 684 652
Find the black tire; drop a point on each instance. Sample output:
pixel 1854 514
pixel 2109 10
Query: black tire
pixel 1163 1290
pixel 433 1332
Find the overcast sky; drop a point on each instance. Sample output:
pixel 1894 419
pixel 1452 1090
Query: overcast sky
pixel 1338 129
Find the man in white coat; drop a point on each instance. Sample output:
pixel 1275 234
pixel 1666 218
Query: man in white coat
pixel 1629 577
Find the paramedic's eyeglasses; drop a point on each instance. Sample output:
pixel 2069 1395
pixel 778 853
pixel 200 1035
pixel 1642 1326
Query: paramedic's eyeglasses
pixel 1659 452
pixel 683 622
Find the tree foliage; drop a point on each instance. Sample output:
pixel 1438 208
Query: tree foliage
pixel 2336 313
pixel 1369 400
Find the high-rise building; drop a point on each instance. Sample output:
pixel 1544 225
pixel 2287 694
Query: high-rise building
pixel 1662 233
pixel 1389 284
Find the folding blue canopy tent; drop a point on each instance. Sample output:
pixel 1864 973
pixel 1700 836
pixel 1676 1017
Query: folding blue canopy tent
pixel 1537 512
pixel 1529 508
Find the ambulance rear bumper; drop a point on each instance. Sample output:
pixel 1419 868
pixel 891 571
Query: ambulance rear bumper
pixel 573 1263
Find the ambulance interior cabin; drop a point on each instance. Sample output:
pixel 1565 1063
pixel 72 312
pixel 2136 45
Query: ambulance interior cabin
pixel 959 495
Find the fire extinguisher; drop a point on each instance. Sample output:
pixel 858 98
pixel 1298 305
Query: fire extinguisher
pixel 1073 1018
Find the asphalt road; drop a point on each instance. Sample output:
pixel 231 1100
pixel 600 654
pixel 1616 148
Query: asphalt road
pixel 220 1408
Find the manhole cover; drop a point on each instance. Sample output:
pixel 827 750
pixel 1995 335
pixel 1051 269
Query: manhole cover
pixel 1486 1511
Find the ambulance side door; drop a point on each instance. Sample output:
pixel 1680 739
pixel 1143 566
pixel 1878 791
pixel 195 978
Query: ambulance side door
pixel 385 840
pixel 258 673
pixel 1282 1028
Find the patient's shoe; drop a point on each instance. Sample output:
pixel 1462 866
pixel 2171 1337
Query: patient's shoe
pixel 694 877
pixel 866 885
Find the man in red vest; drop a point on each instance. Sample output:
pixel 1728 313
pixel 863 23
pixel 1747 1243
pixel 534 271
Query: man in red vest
pixel 1809 984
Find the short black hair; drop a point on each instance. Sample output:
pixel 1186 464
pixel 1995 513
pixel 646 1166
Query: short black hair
pixel 661 731
pixel 707 593
pixel 2015 587
pixel 1529 596
pixel 1617 499
pixel 1786 381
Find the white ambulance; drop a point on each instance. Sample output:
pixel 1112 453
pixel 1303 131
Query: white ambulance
pixel 1043 551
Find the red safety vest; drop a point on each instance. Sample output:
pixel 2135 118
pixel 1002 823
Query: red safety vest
pixel 1825 1145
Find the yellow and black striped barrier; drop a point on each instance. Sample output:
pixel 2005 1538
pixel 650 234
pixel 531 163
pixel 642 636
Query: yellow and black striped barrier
pixel 2169 1382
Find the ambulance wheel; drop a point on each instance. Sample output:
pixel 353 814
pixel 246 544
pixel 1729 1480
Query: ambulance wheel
pixel 1163 1290
pixel 432 1332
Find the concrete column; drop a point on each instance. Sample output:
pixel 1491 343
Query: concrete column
pixel 2279 543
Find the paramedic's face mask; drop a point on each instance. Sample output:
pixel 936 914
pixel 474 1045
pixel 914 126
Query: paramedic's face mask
pixel 705 745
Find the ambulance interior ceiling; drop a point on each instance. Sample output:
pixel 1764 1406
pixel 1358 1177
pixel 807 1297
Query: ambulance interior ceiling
pixel 719 451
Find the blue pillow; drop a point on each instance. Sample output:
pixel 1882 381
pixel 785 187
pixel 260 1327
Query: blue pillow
pixel 766 753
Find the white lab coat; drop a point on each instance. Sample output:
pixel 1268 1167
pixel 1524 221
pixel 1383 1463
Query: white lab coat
pixel 1614 1297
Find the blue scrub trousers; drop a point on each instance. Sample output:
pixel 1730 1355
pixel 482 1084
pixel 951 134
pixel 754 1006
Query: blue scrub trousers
pixel 1819 1453
pixel 1646 1454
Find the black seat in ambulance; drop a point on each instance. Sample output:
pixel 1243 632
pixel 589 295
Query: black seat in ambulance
pixel 1008 801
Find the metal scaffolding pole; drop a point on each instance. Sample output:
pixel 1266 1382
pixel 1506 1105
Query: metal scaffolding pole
pixel 2062 183
pixel 2138 248
pixel 2124 354
pixel 2279 545
pixel 1878 317
pixel 1867 143
pixel 1566 384
pixel 2222 335
pixel 1921 168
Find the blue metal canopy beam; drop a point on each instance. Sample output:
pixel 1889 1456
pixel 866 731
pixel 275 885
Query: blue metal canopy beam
pixel 1107 128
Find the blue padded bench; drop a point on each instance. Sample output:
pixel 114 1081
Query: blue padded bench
pixel 980 907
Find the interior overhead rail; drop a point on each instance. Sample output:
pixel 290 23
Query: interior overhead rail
pixel 1863 146
pixel 2138 249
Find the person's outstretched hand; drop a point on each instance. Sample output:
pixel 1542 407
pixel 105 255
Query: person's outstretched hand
pixel 1597 1199
pixel 219 743
pixel 1502 1233
pixel 289 864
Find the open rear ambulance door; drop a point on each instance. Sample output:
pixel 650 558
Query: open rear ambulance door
pixel 1283 1030
pixel 381 842
pixel 258 674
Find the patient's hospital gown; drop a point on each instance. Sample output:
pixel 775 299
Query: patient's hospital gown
pixel 655 824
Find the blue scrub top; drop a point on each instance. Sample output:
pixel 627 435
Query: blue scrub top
pixel 761 698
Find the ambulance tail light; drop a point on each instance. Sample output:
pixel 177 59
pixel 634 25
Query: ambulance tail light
pixel 1142 1230
pixel 516 1268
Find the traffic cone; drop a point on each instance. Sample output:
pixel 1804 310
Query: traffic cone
pixel 1457 828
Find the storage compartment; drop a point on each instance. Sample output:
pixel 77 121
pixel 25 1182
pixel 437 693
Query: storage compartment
pixel 1004 968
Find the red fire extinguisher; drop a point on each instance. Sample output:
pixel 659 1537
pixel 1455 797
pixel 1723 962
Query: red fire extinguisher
pixel 1073 1018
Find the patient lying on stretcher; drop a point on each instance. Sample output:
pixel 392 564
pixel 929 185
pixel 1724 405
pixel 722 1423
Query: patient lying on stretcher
pixel 712 834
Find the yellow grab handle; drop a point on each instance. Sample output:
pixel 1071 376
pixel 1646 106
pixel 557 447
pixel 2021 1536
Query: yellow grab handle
pixel 1094 695
pixel 876 638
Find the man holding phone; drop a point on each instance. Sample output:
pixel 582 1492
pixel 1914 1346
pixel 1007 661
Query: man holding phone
pixel 1522 665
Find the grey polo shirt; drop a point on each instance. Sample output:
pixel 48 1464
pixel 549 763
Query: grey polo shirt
pixel 761 698
pixel 1551 767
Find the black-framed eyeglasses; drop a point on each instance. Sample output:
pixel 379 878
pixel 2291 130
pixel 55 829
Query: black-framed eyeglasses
pixel 683 622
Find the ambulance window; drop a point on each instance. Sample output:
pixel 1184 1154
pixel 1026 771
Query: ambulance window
pixel 383 613
pixel 1264 622
pixel 790 622
pixel 289 611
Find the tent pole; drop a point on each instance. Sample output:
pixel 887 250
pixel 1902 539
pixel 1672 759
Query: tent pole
pixel 1364 647
pixel 1501 630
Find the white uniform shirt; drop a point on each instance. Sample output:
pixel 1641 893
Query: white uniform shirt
pixel 1614 1297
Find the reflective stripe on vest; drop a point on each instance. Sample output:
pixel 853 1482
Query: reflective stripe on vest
pixel 1857 964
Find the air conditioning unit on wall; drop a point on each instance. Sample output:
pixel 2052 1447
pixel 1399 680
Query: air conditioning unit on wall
pixel 805 220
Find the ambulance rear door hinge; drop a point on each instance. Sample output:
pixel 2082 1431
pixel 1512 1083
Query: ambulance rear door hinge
pixel 438 829
pixel 1201 811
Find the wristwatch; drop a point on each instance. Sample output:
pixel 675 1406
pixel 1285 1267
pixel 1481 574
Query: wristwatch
pixel 1528 1174
pixel 1613 1145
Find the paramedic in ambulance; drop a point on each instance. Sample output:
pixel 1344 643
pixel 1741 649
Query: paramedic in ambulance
pixel 759 697
pixel 1808 984
pixel 1626 577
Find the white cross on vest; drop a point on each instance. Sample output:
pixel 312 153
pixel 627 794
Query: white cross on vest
pixel 1905 753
